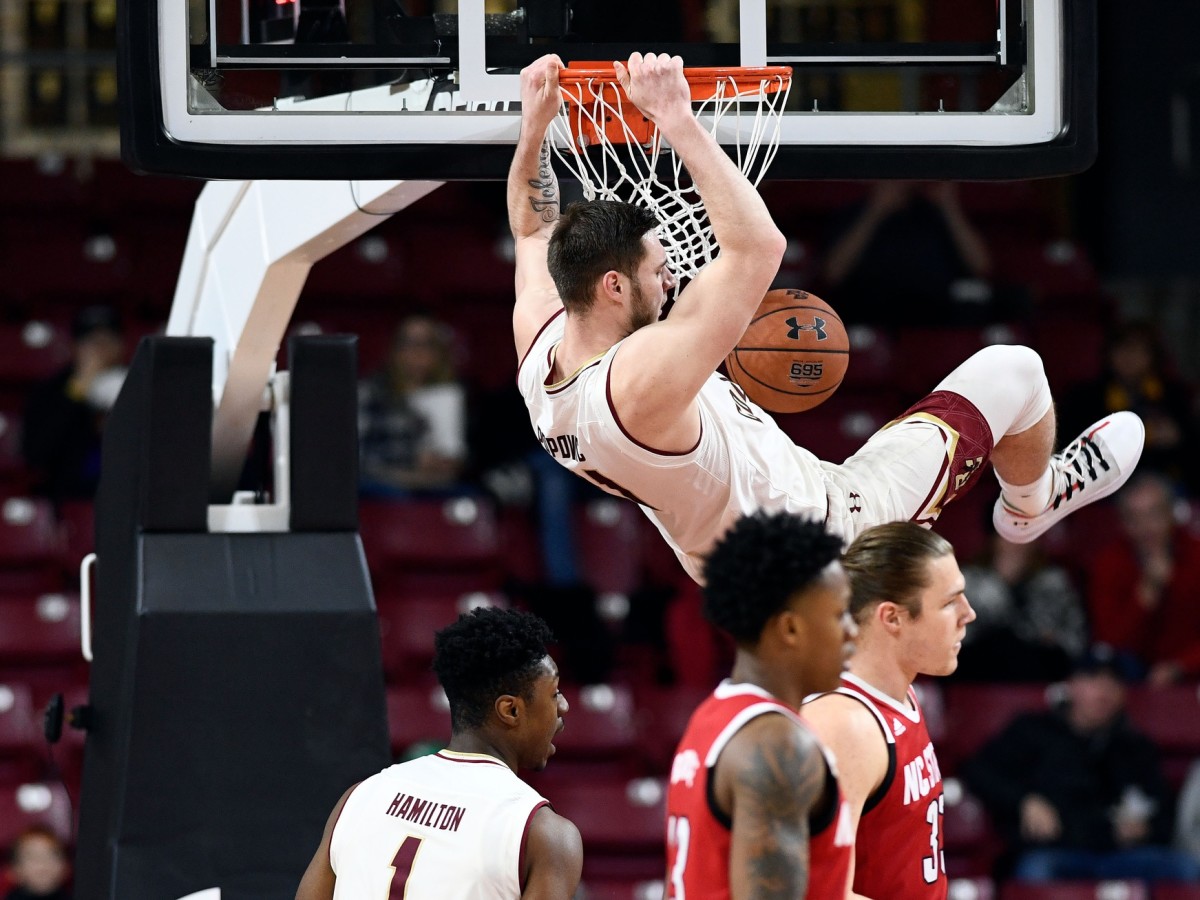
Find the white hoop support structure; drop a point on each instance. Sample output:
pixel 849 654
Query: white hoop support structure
pixel 616 153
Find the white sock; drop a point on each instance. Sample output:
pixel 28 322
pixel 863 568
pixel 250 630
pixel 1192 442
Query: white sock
pixel 1030 498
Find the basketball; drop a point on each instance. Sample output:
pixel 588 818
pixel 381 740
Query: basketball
pixel 794 353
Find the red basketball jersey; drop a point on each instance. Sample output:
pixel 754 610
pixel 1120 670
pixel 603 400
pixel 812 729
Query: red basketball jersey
pixel 898 849
pixel 698 833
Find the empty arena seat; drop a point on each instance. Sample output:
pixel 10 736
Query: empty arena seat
pixel 965 522
pixel 19 732
pixel 971 845
pixel 13 473
pixel 608 540
pixel 1086 359
pixel 456 535
pixel 1075 890
pixel 78 518
pixel 838 428
pixel 621 889
pixel 600 724
pixel 1169 715
pixel 872 359
pixel 29 533
pixel 33 350
pixel 662 715
pixel 977 888
pixel 41 629
pixel 27 804
pixel 407 625
pixel 615 814
pixel 1172 891
pixel 977 712
pixel 417 714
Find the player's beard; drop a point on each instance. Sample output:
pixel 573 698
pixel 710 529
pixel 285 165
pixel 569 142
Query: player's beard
pixel 641 311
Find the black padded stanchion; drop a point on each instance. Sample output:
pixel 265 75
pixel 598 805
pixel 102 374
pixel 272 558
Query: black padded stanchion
pixel 237 687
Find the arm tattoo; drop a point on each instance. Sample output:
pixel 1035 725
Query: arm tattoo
pixel 777 789
pixel 545 200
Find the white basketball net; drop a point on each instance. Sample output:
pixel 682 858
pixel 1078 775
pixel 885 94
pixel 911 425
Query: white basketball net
pixel 631 171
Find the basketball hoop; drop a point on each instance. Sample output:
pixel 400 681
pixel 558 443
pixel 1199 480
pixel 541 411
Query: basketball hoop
pixel 617 154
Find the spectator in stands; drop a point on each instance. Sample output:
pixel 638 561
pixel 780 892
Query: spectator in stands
pixel 412 417
pixel 1029 623
pixel 1138 375
pixel 1145 584
pixel 1077 792
pixel 64 416
pixel 909 255
pixel 39 869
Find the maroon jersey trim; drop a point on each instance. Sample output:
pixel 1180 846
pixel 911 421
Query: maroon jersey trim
pixel 612 408
pixel 545 325
pixel 488 761
pixel 525 842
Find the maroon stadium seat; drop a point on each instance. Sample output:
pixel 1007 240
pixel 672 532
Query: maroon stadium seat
pixel 622 889
pixel 600 725
pixel 609 541
pixel 977 712
pixel 19 732
pixel 1075 890
pixel 407 625
pixel 33 350
pixel 404 540
pixel 27 804
pixel 41 629
pixel 662 716
pixel 417 714
pixel 977 888
pixel 1164 891
pixel 615 814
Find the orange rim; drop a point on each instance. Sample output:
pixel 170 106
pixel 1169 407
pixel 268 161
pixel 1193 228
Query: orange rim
pixel 586 81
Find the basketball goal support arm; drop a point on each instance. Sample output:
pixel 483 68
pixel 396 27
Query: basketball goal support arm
pixel 248 254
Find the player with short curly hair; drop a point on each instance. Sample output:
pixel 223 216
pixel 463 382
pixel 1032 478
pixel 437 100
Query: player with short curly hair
pixel 459 823
pixel 487 653
pixel 754 800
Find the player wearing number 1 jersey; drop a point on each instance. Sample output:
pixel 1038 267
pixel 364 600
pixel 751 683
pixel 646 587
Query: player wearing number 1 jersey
pixel 753 807
pixel 459 824
pixel 907 598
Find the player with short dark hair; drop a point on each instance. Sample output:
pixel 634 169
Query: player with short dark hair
pixel 459 824
pixel 629 399
pixel 907 597
pixel 753 800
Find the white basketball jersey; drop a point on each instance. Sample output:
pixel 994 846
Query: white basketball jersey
pixel 450 826
pixel 743 462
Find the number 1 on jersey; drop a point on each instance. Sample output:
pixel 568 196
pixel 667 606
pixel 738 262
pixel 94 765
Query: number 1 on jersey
pixel 402 863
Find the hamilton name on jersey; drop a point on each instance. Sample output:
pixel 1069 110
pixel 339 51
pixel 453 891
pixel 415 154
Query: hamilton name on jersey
pixel 921 776
pixel 442 816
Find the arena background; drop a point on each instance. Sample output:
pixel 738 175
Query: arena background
pixel 1078 254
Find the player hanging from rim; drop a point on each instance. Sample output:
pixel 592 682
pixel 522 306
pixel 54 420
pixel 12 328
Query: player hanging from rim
pixel 907 598
pixel 459 823
pixel 633 403
pixel 753 806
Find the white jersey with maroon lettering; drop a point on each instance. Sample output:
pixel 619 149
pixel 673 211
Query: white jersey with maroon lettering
pixel 743 461
pixel 450 826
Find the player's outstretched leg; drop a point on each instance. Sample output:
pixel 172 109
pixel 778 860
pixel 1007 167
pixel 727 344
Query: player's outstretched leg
pixel 1092 466
pixel 1007 384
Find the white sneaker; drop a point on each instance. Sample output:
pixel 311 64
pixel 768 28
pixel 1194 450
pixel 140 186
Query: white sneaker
pixel 1090 467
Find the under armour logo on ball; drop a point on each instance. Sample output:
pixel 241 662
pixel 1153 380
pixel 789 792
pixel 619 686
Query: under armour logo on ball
pixel 818 326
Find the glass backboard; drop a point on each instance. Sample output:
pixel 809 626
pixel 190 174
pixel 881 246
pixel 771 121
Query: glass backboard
pixel 428 89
